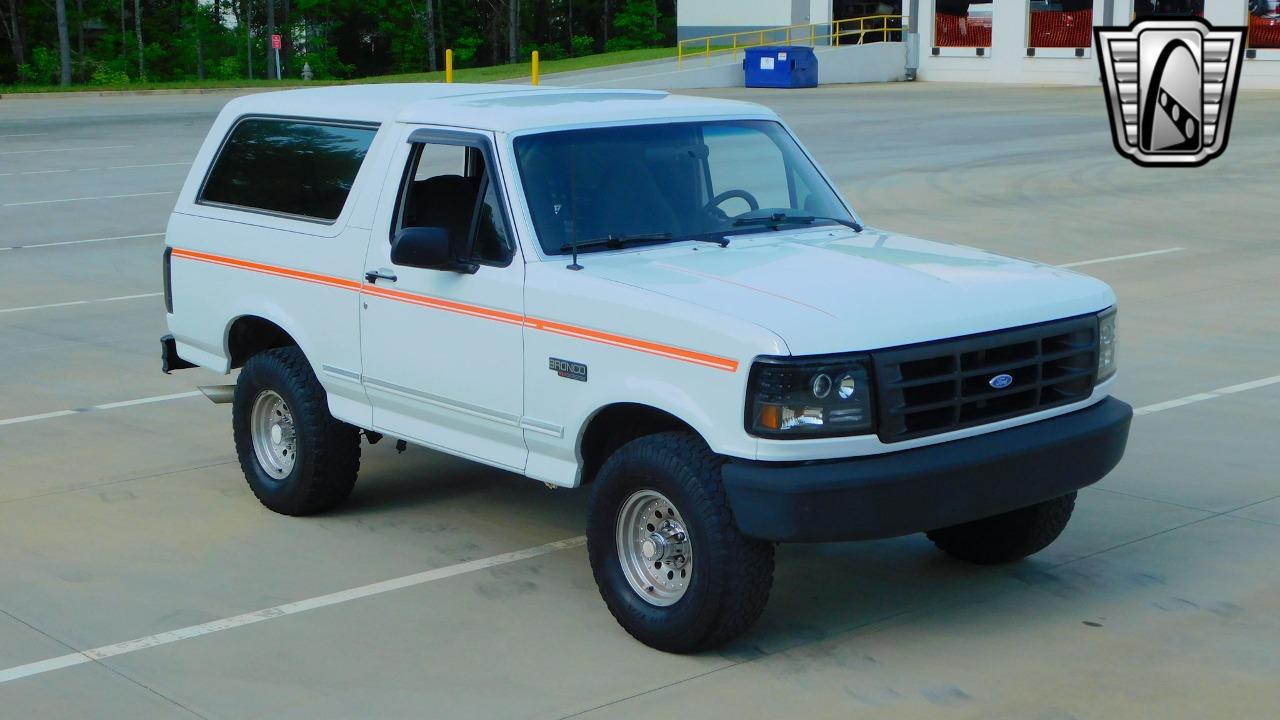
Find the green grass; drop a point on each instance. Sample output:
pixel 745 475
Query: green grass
pixel 462 75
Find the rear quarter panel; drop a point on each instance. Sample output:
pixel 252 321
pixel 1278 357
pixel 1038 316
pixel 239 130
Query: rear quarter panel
pixel 323 317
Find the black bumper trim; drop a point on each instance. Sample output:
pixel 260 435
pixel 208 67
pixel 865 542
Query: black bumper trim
pixel 929 487
pixel 169 360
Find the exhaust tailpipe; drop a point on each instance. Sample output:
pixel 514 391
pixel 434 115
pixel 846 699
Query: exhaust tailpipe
pixel 218 394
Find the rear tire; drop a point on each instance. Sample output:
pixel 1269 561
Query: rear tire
pixel 669 484
pixel 1007 537
pixel 297 458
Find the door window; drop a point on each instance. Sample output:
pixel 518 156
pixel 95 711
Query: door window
pixel 449 186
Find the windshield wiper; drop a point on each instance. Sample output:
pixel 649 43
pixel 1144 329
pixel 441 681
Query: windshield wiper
pixel 611 241
pixel 777 219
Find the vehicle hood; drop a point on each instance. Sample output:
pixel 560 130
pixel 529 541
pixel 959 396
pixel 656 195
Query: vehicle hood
pixel 833 290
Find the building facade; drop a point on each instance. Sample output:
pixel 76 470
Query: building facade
pixel 1005 41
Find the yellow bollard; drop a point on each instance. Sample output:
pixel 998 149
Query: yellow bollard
pixel 448 65
pixel 534 76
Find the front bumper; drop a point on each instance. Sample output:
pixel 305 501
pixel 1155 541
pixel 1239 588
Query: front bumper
pixel 929 487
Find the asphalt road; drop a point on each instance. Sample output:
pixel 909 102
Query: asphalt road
pixel 124 517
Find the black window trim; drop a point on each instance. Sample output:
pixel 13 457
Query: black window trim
pixel 460 138
pixel 362 125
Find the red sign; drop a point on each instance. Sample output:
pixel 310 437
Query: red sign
pixel 275 42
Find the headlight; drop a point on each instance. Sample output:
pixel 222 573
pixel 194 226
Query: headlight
pixel 1106 344
pixel 809 397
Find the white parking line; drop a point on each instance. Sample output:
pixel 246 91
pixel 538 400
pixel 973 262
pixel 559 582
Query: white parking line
pixel 79 302
pixel 293 608
pixel 81 242
pixel 104 406
pixel 53 150
pixel 1113 258
pixel 1201 397
pixel 98 169
pixel 98 197
pixel 127 167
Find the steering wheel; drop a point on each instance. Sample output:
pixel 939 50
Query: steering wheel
pixel 714 205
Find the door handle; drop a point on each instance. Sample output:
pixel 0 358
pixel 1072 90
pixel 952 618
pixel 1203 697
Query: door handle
pixel 373 276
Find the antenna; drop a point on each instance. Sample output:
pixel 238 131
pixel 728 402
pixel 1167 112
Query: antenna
pixel 575 265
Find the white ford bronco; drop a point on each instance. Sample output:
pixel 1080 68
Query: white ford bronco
pixel 661 297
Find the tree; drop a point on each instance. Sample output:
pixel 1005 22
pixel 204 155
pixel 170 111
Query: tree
pixel 513 31
pixel 11 21
pixel 248 34
pixel 137 29
pixel 64 43
pixel 637 26
pixel 430 27
pixel 271 31
pixel 107 40
pixel 197 30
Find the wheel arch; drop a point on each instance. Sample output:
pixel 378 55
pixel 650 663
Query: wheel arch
pixel 613 425
pixel 250 334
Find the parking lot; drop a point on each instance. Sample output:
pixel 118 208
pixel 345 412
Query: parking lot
pixel 139 578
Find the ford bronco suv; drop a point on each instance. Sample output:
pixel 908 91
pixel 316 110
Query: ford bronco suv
pixel 660 297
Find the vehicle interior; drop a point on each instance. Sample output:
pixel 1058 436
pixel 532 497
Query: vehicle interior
pixel 447 186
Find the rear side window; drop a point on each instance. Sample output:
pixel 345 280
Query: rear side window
pixel 291 167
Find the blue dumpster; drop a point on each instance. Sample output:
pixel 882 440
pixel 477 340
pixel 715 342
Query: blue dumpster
pixel 790 66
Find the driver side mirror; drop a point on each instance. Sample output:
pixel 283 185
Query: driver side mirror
pixel 429 248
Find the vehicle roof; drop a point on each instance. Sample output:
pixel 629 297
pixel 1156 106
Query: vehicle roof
pixel 501 108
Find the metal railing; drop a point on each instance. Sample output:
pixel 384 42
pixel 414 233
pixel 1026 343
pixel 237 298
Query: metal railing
pixel 850 31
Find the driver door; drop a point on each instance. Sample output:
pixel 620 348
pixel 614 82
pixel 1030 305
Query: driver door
pixel 443 349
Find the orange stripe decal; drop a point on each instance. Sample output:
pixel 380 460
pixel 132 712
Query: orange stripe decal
pixel 597 336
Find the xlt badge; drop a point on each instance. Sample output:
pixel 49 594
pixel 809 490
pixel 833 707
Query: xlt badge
pixel 568 369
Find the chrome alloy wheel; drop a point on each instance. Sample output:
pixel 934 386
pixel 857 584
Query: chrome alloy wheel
pixel 654 548
pixel 275 439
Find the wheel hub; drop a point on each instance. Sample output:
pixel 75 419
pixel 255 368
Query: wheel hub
pixel 654 548
pixel 274 436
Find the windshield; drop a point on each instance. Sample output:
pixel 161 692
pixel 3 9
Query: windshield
pixel 669 182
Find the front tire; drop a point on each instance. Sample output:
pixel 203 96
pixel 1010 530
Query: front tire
pixel 297 458
pixel 670 563
pixel 1007 537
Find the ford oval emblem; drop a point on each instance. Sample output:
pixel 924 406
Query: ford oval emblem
pixel 1001 381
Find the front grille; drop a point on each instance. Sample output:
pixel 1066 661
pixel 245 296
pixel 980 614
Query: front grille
pixel 942 386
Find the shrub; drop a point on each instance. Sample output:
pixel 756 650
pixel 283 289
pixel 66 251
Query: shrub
pixel 43 69
pixel 225 68
pixel 106 75
pixel 583 45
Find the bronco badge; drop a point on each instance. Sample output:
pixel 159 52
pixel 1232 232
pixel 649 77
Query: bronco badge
pixel 568 369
